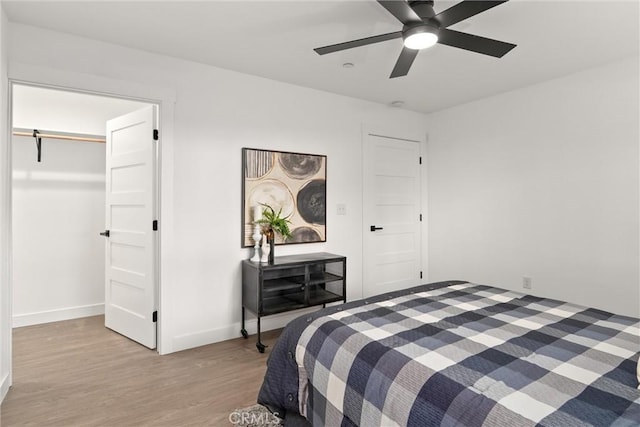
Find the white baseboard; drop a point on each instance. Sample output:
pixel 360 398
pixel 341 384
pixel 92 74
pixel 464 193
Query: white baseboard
pixel 4 386
pixel 210 336
pixel 57 315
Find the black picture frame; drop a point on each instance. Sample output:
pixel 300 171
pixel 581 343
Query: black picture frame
pixel 293 182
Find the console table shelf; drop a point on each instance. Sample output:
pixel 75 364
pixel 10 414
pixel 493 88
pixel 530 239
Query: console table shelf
pixel 291 283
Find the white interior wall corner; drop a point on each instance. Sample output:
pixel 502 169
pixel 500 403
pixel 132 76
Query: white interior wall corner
pixel 5 194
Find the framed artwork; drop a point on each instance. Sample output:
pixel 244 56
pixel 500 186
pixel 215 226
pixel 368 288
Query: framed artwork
pixel 293 182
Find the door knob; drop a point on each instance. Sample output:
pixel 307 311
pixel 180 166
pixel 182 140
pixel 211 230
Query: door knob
pixel 105 233
pixel 374 228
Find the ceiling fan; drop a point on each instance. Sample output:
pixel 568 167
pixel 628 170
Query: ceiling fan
pixel 422 28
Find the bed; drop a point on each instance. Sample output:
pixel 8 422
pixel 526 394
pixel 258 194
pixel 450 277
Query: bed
pixel 455 353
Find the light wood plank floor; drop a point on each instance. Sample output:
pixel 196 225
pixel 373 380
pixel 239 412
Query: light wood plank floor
pixel 78 373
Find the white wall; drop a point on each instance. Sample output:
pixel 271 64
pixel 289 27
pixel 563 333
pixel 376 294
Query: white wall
pixel 58 211
pixel 58 205
pixel 542 182
pixel 217 112
pixel 5 194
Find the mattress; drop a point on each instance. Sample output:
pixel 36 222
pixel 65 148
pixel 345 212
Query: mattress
pixel 456 353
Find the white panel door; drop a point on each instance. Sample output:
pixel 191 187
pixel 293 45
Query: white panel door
pixel 392 216
pixel 130 294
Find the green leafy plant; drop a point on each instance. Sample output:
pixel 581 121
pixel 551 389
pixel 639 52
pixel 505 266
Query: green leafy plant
pixel 272 220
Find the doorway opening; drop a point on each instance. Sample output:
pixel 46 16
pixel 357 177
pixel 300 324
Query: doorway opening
pixel 58 201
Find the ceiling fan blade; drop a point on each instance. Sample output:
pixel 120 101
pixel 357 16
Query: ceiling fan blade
pixel 404 62
pixel 401 10
pixel 464 10
pixel 356 43
pixel 474 43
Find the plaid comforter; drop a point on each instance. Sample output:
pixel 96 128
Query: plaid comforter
pixel 465 354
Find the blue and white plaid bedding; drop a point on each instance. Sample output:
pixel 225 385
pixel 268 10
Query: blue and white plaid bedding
pixel 468 355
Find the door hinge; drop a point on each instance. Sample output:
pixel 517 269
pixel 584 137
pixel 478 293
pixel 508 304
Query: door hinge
pixel 155 316
pixel 155 225
pixel 421 274
pixel 420 217
pixel 156 134
pixel 420 160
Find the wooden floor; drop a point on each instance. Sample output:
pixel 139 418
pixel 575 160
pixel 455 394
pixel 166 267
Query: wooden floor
pixel 78 373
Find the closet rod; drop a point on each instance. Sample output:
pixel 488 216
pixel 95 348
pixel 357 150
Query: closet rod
pixel 60 136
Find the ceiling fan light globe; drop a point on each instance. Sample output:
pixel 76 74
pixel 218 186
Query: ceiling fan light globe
pixel 420 40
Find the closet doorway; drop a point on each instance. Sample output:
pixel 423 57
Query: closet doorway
pixel 61 266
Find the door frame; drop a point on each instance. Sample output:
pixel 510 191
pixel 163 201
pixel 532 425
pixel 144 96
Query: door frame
pixel 164 98
pixel 407 134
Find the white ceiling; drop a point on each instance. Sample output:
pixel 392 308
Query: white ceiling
pixel 275 39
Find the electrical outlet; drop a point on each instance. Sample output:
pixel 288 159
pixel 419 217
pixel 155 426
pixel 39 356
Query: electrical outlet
pixel 526 282
pixel 341 209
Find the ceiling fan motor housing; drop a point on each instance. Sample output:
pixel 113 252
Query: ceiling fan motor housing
pixel 423 8
pixel 428 23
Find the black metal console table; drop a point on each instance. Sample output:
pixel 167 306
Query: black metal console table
pixel 290 283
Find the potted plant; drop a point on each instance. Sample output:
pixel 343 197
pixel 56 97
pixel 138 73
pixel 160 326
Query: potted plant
pixel 272 222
